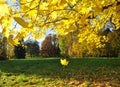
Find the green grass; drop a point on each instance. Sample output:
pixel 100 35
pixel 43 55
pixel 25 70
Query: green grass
pixel 48 72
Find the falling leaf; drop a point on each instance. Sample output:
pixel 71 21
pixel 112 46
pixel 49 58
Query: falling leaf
pixel 21 22
pixel 64 62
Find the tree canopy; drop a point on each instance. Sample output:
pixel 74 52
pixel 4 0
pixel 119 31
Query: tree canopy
pixel 87 17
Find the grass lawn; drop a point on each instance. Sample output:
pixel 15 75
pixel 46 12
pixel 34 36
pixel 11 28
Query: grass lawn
pixel 48 72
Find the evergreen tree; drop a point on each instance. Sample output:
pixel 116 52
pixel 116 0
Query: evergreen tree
pixel 19 50
pixel 3 48
pixel 32 48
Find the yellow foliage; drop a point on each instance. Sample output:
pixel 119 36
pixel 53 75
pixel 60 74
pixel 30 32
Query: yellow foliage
pixel 63 2
pixel 54 15
pixel 5 32
pixel 63 16
pixel 44 6
pixel 4 10
pixel 37 35
pixel 75 50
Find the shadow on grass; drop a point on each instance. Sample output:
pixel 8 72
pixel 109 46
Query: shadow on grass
pixel 29 66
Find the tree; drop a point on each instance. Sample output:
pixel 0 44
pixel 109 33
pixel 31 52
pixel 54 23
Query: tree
pixel 87 45
pixel 10 51
pixel 55 45
pixel 113 43
pixel 64 44
pixel 3 48
pixel 63 16
pixel 47 47
pixel 6 49
pixel 50 47
pixel 20 50
pixel 32 48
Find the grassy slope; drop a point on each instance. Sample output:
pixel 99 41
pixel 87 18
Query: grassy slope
pixel 48 72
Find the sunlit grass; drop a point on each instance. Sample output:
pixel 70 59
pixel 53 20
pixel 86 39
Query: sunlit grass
pixel 48 72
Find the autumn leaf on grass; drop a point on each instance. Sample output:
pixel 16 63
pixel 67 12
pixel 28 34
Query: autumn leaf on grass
pixel 85 84
pixel 64 62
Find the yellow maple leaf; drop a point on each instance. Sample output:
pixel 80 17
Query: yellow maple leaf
pixel 64 62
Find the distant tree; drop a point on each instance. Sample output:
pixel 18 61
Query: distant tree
pixel 10 51
pixel 6 49
pixel 64 44
pixel 50 47
pixel 19 50
pixel 32 48
pixel 46 49
pixel 56 49
pixel 3 48
pixel 113 45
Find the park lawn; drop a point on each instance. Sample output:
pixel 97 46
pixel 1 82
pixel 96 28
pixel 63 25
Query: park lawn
pixel 48 72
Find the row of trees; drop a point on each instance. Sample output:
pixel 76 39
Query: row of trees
pixel 49 47
pixel 67 46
